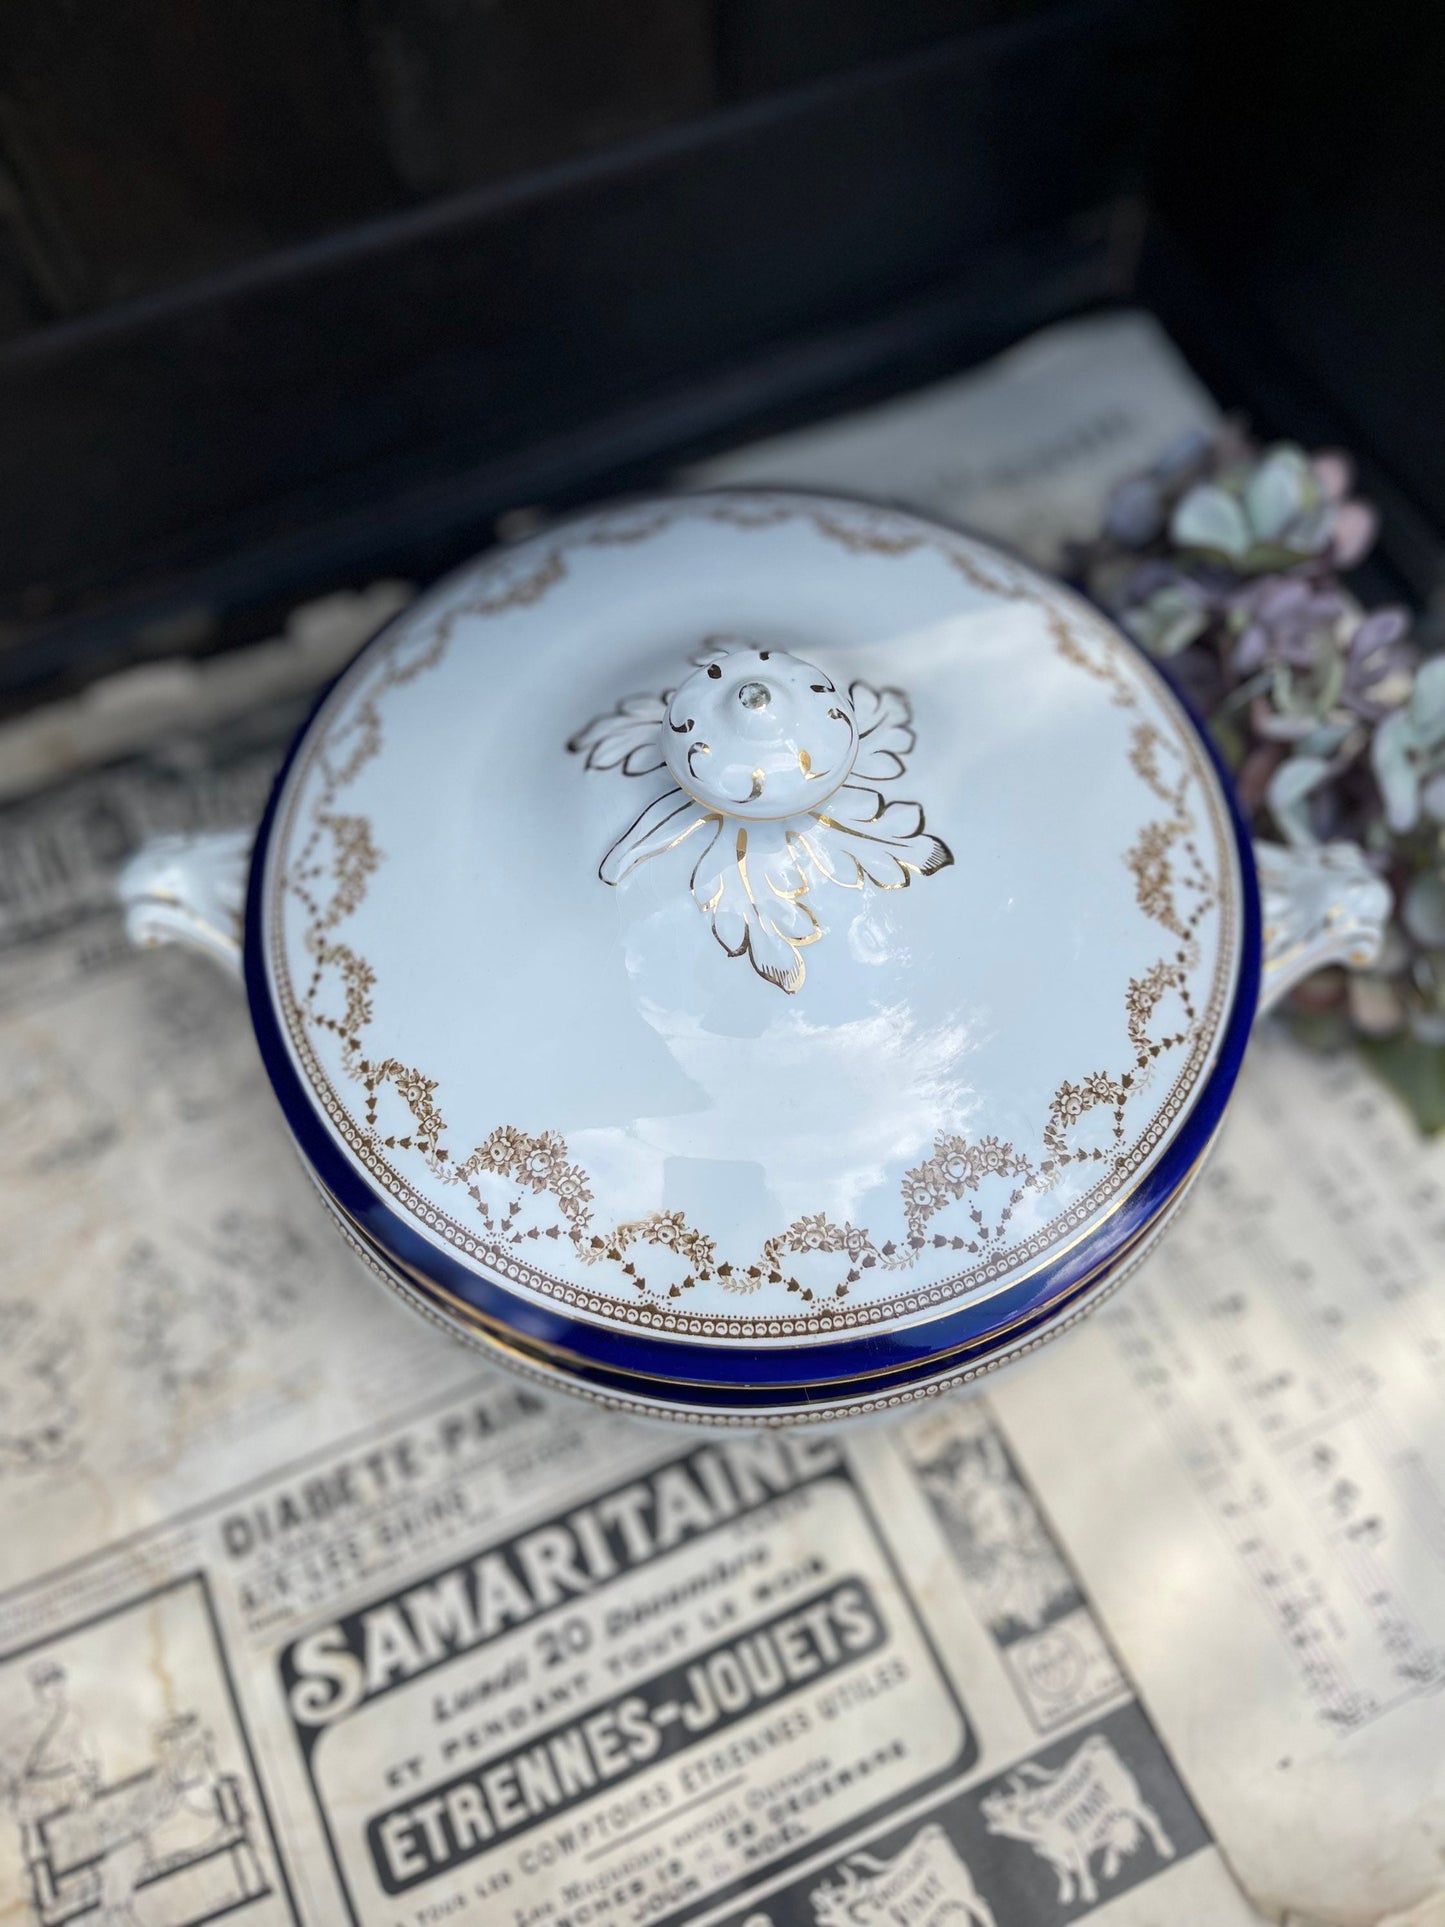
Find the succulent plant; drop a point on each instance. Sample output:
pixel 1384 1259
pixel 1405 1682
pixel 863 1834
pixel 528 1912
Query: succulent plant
pixel 1223 561
pixel 1138 507
pixel 1380 667
pixel 1164 609
pixel 1274 513
pixel 1315 666
pixel 1408 753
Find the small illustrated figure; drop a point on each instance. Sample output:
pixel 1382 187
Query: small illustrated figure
pixel 1090 1805
pixel 60 1766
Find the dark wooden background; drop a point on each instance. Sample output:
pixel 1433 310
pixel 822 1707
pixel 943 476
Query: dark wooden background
pixel 147 142
pixel 297 292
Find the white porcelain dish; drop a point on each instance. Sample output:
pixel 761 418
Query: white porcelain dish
pixel 754 956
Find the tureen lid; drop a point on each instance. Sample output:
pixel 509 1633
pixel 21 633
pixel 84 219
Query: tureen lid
pixel 751 940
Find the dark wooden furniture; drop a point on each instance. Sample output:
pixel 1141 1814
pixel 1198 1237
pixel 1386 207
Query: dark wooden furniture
pixel 296 295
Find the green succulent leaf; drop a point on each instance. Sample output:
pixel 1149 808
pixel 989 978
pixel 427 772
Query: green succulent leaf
pixel 1427 704
pixel 1325 738
pixel 1310 531
pixel 1211 519
pixel 1168 622
pixel 1290 789
pixel 1309 694
pixel 1395 771
pixel 1415 1072
pixel 1278 491
pixel 1423 909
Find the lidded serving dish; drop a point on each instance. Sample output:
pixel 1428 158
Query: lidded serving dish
pixel 751 957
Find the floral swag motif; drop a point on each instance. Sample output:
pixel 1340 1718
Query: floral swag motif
pixel 525 1189
pixel 753 879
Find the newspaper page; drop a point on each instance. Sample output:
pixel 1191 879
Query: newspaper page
pixel 308 1615
pixel 1245 1452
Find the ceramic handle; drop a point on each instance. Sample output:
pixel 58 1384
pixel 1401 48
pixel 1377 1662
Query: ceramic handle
pixel 189 890
pixel 1322 905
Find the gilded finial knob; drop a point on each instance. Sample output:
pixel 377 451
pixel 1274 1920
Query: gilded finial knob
pixel 758 733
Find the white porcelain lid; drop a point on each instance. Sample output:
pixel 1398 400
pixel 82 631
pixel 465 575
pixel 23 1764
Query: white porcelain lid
pixel 881 1000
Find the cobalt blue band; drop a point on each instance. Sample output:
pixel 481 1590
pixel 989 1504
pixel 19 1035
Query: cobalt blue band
pixel 783 1373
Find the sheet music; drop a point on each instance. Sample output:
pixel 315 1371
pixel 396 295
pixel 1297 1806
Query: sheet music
pixel 1247 1455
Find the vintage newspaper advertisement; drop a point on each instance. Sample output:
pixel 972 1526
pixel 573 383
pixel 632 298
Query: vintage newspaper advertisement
pixel 308 1615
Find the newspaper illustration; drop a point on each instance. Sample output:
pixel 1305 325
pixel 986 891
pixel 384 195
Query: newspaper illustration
pixel 1015 1576
pixel 1276 1441
pixel 1059 1834
pixel 306 1614
pixel 139 1806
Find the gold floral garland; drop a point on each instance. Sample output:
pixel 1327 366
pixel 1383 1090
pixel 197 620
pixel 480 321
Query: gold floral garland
pixel 1174 888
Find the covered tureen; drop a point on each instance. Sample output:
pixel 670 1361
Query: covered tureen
pixel 752 957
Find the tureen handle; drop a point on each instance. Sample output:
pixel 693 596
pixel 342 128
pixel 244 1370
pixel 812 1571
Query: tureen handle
pixel 1322 905
pixel 189 890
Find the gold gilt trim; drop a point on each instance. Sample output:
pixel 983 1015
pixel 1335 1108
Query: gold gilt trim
pixel 751 882
pixel 513 1174
pixel 495 1331
pixel 553 1376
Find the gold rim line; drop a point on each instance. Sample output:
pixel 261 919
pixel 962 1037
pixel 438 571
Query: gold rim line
pixel 547 1361
pixel 783 816
pixel 542 1351
pixel 704 1417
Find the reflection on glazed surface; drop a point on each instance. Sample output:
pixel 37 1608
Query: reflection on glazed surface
pixel 894 1084
pixel 773 770
pixel 568 1084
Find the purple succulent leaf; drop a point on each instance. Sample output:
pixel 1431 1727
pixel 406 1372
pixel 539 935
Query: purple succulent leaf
pixel 1356 525
pixel 1251 652
pixel 1278 597
pixel 1185 453
pixel 1148 576
pixel 1379 630
pixel 1135 513
pixel 1334 472
pixel 1380 667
